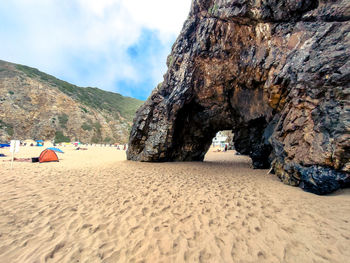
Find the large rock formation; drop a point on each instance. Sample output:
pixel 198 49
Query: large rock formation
pixel 35 105
pixel 275 72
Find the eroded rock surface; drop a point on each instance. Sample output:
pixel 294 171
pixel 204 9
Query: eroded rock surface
pixel 275 72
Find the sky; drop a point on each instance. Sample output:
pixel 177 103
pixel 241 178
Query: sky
pixel 115 45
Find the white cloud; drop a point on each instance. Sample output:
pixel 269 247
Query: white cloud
pixel 167 16
pixel 66 37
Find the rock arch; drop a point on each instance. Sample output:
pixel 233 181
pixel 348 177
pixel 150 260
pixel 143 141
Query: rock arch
pixel 275 72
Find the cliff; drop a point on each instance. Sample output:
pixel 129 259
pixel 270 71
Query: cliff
pixel 35 105
pixel 275 72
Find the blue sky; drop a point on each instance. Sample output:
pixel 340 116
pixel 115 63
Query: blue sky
pixel 115 45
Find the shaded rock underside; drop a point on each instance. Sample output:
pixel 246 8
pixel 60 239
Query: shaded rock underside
pixel 275 72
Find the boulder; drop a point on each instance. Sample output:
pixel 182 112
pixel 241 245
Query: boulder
pixel 277 73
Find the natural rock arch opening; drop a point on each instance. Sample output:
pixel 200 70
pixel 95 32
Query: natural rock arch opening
pixel 194 131
pixel 222 139
pixel 194 126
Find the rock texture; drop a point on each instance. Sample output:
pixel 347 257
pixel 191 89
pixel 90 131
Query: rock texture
pixel 275 72
pixel 34 105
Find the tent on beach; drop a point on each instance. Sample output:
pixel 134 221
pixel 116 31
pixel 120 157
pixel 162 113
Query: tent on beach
pixel 48 156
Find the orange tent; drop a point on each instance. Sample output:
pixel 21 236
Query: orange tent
pixel 48 156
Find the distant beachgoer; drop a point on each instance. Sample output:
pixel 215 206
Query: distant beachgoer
pixel 22 159
pixel 81 148
pixel 225 148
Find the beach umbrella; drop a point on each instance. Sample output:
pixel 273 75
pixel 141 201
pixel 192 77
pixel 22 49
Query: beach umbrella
pixel 55 149
pixel 39 143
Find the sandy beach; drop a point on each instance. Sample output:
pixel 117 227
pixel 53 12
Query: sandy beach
pixel 94 206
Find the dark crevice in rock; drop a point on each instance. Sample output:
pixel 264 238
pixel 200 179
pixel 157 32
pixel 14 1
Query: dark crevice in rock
pixel 252 139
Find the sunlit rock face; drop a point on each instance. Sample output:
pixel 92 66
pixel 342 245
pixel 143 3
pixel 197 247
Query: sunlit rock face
pixel 275 72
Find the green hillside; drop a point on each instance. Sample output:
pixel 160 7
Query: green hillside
pixel 91 97
pixel 36 105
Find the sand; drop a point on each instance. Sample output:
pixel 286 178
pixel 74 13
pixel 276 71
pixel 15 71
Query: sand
pixel 94 206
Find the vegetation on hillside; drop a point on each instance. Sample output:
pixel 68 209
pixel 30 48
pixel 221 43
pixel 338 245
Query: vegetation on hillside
pixel 60 137
pixel 105 117
pixel 7 127
pixel 63 119
pixel 95 98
